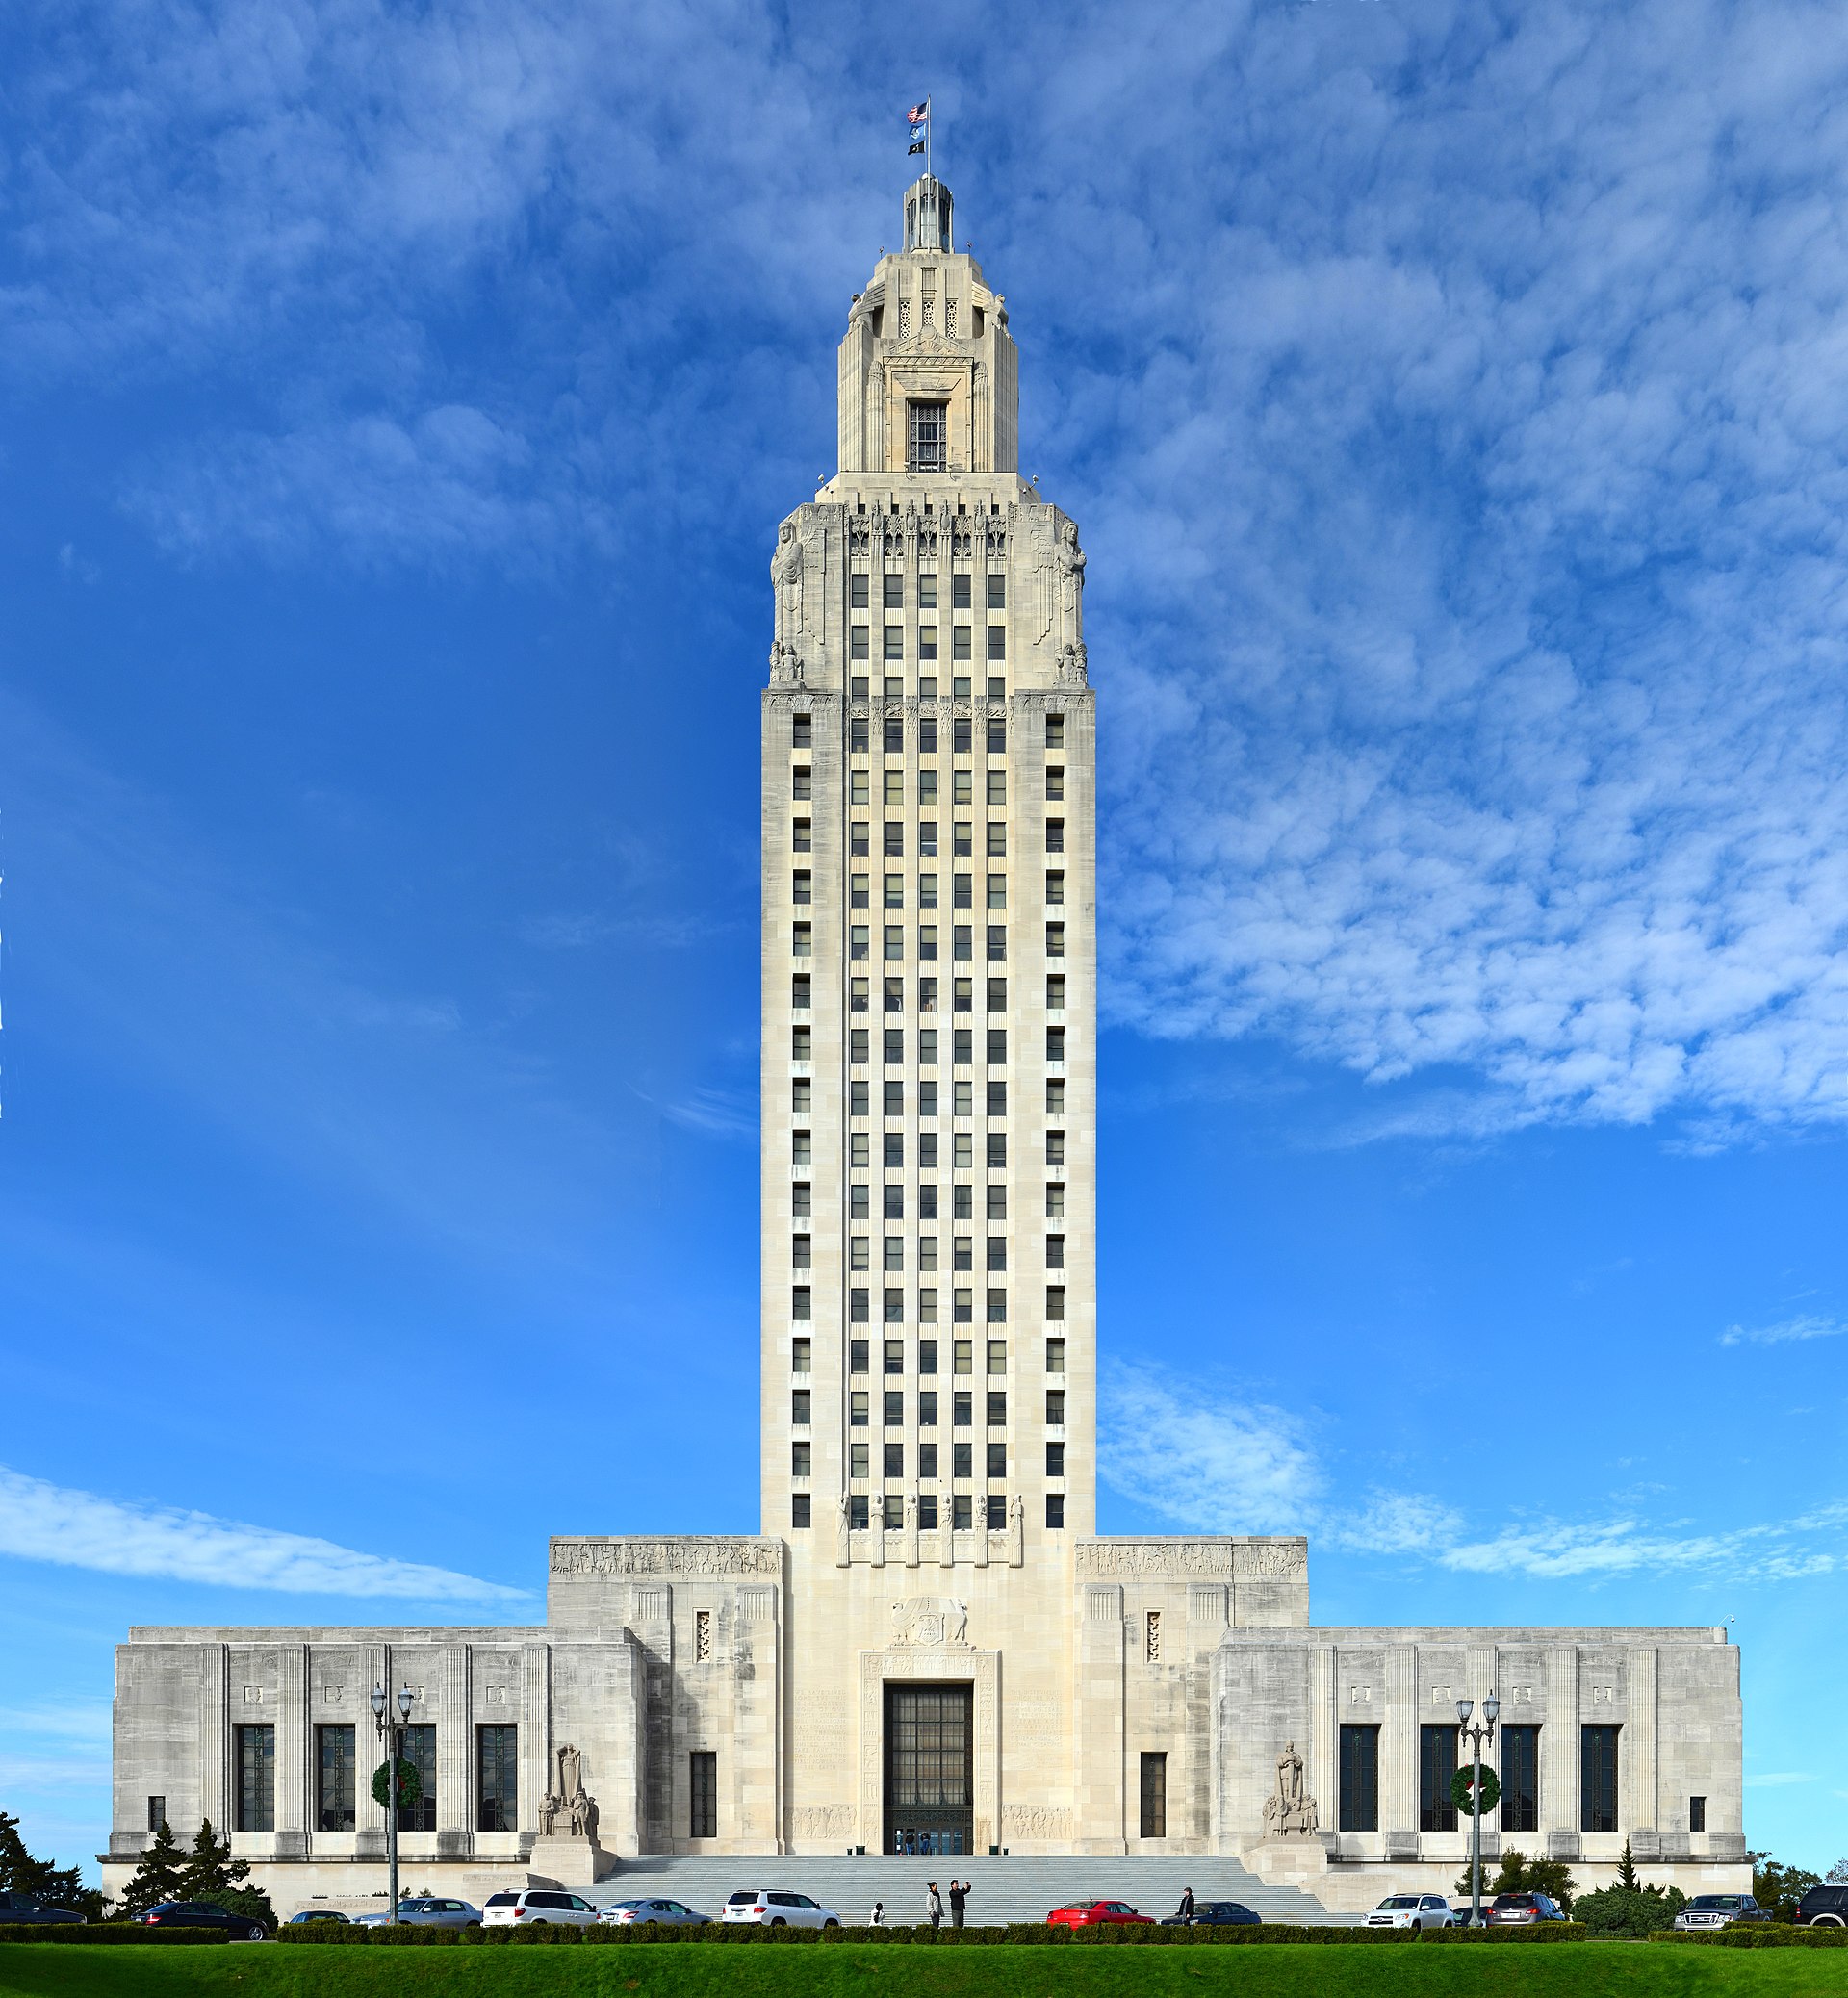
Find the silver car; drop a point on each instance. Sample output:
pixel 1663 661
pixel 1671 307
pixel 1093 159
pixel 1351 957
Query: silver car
pixel 426 1911
pixel 1411 1912
pixel 647 1914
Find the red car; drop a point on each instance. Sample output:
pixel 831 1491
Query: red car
pixel 1083 1915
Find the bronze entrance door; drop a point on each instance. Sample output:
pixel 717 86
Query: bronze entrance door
pixel 930 1769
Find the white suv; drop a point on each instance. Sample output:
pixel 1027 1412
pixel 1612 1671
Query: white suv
pixel 1411 1912
pixel 776 1908
pixel 536 1905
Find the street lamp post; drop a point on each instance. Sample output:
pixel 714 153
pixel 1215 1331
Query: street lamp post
pixel 392 1733
pixel 1479 1732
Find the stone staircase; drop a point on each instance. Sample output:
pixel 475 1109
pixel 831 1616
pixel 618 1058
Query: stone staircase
pixel 1003 1889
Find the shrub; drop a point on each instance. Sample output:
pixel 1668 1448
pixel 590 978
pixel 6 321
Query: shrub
pixel 105 1932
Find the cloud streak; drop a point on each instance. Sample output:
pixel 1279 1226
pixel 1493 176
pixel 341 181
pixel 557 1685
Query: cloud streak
pixel 41 1522
pixel 1798 1328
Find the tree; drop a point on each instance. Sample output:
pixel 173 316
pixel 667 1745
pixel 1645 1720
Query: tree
pixel 157 1877
pixel 1627 1872
pixel 1777 1888
pixel 1627 1910
pixel 211 1873
pixel 1520 1875
pixel 60 1887
pixel 1837 1874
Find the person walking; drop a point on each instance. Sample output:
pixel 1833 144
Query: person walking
pixel 959 1901
pixel 1186 1909
pixel 877 1919
pixel 937 1906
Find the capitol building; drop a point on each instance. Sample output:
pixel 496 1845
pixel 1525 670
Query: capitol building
pixel 927 1646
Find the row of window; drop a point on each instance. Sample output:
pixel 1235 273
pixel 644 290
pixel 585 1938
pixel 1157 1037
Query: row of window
pixel 961 1202
pixel 337 1778
pixel 1517 1763
pixel 962 1407
pixel 859 643
pixel 802 732
pixel 860 994
pixel 860 950
pixel 960 1511
pixel 962 1460
pixel 802 1150
pixel 802 786
pixel 961 1043
pixel 961 1356
pixel 962 1094
pixel 859 890
pixel 859 582
pixel 859 1249
pixel 802 834
pixel 962 1306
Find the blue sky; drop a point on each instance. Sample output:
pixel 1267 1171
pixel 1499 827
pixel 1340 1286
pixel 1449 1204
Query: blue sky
pixel 395 408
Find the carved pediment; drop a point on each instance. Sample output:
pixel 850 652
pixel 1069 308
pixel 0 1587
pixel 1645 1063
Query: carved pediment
pixel 927 345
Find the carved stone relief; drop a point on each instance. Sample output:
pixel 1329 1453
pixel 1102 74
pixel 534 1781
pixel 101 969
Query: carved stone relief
pixel 932 1620
pixel 687 1555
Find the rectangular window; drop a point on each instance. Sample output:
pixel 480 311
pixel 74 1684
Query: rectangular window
pixel 1055 1460
pixel 997 642
pixel 894 1307
pixel 802 783
pixel 1520 1773
pixel 1055 1254
pixel 802 835
pixel 927 1508
pixel 926 1420
pixel 1055 1147
pixel 927 932
pixel 963 1360
pixel 929 437
pixel 998 592
pixel 962 791
pixel 894 943
pixel 799 1408
pixel 801 1459
pixel 997 1150
pixel 894 783
pixel 156 1813
pixel 420 1752
pixel 998 891
pixel 997 787
pixel 894 640
pixel 960 599
pixel 859 1405
pixel 997 738
pixel 1696 1813
pixel 894 1452
pixel 859 1357
pixel 1055 1096
pixel 999 1253
pixel 859 591
pixel 1597 1779
pixel 257 1778
pixel 703 1794
pixel 997 943
pixel 1055 782
pixel 497 1779
pixel 997 1099
pixel 1055 887
pixel 927 589
pixel 1055 1200
pixel 997 1512
pixel 800 1509
pixel 1359 1778
pixel 960 642
pixel 1054 993
pixel 1056 1511
pixel 1436 1766
pixel 998 1358
pixel 961 1512
pixel 1055 1408
pixel 895 851
pixel 800 1095
pixel 857 1510
pixel 802 886
pixel 1055 1356
pixel 927 1347
pixel 858 734
pixel 1055 1043
pixel 894 599
pixel 858 788
pixel 802 731
pixel 1055 1304
pixel 857 836
pixel 895 1348
pixel 894 1420
pixel 335 1758
pixel 801 1296
pixel 1054 731
pixel 857 1458
pixel 799 1352
pixel 1055 835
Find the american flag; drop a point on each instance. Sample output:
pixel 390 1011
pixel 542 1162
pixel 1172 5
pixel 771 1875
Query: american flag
pixel 918 113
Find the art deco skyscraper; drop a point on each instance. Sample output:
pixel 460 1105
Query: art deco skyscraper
pixel 929 1044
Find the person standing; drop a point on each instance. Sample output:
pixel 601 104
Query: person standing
pixel 1186 1909
pixel 937 1906
pixel 959 1901
pixel 877 1919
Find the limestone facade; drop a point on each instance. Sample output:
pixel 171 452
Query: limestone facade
pixel 928 1639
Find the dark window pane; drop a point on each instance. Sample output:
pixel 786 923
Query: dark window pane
pixel 1520 1773
pixel 420 1751
pixel 497 1779
pixel 1360 1778
pixel 702 1785
pixel 335 1779
pixel 1436 1766
pixel 1154 1811
pixel 257 1778
pixel 1598 1776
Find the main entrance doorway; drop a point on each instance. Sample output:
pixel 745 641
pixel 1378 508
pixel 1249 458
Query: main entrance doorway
pixel 930 1769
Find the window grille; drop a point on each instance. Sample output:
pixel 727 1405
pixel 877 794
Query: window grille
pixel 929 436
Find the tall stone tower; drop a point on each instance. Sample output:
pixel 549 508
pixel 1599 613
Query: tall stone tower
pixel 929 986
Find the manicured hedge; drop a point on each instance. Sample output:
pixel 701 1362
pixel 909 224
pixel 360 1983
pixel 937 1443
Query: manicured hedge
pixel 1032 1934
pixel 105 1932
pixel 1760 1935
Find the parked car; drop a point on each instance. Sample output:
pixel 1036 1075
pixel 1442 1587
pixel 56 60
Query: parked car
pixel 1411 1911
pixel 1720 1912
pixel 202 1914
pixel 426 1911
pixel 1213 1914
pixel 1084 1914
pixel 16 1905
pixel 534 1906
pixel 650 1912
pixel 1511 1910
pixel 777 1907
pixel 320 1914
pixel 1823 1907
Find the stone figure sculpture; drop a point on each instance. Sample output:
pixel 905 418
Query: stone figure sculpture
pixel 930 1620
pixel 584 1814
pixel 1070 560
pixel 550 1805
pixel 785 574
pixel 844 1533
pixel 571 1771
pixel 1290 1811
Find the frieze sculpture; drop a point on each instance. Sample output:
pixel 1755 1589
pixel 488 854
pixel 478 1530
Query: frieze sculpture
pixel 1216 1560
pixel 1290 1811
pixel 692 1554
pixel 930 1620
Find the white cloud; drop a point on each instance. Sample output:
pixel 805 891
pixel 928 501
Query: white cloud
pixel 1778 1779
pixel 1779 1334
pixel 1215 1464
pixel 41 1522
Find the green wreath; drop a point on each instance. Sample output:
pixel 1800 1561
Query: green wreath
pixel 1463 1790
pixel 410 1785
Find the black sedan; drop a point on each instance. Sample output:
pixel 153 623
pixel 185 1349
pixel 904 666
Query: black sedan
pixel 1213 1915
pixel 202 1914
pixel 17 1907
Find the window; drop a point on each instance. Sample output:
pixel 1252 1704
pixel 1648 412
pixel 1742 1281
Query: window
pixel 801 1301
pixel 1055 887
pixel 1154 1793
pixel 997 943
pixel 894 1307
pixel 859 642
pixel 1056 1511
pixel 334 1792
pixel 1055 1408
pixel 1055 1304
pixel 801 1459
pixel 1055 1147
pixel 997 641
pixel 856 838
pixel 927 932
pixel 927 832
pixel 801 1257
pixel 1055 1043
pixel 1055 1356
pixel 703 1794
pixel 1055 1096
pixel 155 1812
pixel 997 1459
pixel 802 783
pixel 1597 1779
pixel 926 785
pixel 961 1512
pixel 859 735
pixel 927 1139
pixel 998 1358
pixel 802 835
pixel 799 1352
pixel 997 1099
pixel 894 1149
pixel 1056 994
pixel 802 886
pixel 497 1779
pixel 1055 782
pixel 857 1508
pixel 960 592
pixel 857 1456
pixel 961 787
pixel 857 1207
pixel 256 1779
pixel 1696 1813
pixel 858 589
pixel 894 592
pixel 997 1512
pixel 799 1408
pixel 895 1348
pixel 894 942
pixel 927 1347
pixel 894 778
pixel 894 1452
pixel 802 731
pixel 998 891
pixel 997 1307
pixel 927 1509
pixel 859 1355
pixel 1055 1254
pixel 1054 731
pixel 801 1093
pixel 1520 1773
pixel 998 592
pixel 1436 1766
pixel 894 1056
pixel 894 640
pixel 999 1253
pixel 997 995
pixel 963 1459
pixel 858 792
pixel 998 731
pixel 858 1099
pixel 1360 1778
pixel 420 1752
pixel 963 1359
pixel 998 840
pixel 929 436
pixel 1055 1200
pixel 997 787
pixel 927 585
pixel 859 1407
pixel 997 1149
pixel 926 1299
pixel 962 1307
pixel 1055 1460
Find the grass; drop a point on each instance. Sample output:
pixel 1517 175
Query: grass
pixel 1625 1970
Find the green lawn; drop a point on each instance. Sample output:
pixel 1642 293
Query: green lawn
pixel 1633 1970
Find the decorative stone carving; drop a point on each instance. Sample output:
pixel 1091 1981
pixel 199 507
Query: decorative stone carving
pixel 688 1554
pixel 1182 1559
pixel 785 664
pixel 1036 1820
pixel 785 574
pixel 930 1620
pixel 844 1535
pixel 1016 1533
pixel 822 1821
pixel 1290 1811
pixel 1072 663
